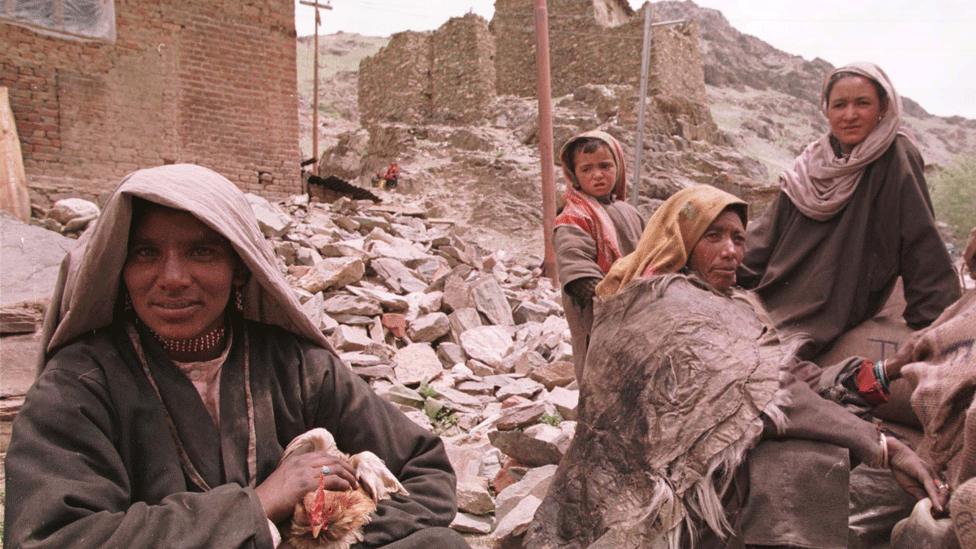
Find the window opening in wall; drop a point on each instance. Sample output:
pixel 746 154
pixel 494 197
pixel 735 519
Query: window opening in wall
pixel 69 19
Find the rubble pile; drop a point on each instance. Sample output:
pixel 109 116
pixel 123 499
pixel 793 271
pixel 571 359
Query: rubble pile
pixel 469 344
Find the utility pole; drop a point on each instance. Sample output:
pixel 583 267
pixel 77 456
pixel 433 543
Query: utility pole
pixel 544 91
pixel 315 84
pixel 645 70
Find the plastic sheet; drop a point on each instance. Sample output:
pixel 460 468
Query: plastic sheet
pixel 69 19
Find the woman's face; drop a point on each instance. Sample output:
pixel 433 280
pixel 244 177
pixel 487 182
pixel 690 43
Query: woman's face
pixel 853 110
pixel 179 273
pixel 719 252
pixel 596 172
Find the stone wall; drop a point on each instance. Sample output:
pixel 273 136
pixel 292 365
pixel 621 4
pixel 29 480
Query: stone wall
pixel 462 70
pixel 451 75
pixel 394 84
pixel 211 82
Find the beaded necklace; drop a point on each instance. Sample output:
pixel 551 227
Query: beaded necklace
pixel 206 342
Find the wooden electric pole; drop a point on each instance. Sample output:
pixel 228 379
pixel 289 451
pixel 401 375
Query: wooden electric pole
pixel 315 84
pixel 544 91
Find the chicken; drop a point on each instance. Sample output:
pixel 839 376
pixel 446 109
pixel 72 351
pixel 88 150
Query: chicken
pixel 327 519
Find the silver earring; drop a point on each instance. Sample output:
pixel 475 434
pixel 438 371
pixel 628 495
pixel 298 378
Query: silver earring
pixel 126 301
pixel 239 299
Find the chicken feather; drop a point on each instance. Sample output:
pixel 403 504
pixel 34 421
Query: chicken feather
pixel 343 513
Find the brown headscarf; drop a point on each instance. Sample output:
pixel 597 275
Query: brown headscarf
pixel 820 184
pixel 670 235
pixel 88 284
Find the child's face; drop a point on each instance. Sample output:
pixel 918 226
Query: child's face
pixel 596 172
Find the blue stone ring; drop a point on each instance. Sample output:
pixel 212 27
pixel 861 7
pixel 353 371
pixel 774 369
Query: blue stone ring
pixel 326 470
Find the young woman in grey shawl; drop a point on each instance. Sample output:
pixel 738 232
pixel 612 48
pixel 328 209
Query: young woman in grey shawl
pixel 177 364
pixel 853 215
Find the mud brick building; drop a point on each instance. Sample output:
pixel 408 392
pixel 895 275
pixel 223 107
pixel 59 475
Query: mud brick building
pixel 452 75
pixel 211 82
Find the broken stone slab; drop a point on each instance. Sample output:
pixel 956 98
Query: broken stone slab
pixel 475 387
pixel 525 448
pixel 471 524
pixel 307 256
pixel 68 209
pixel 346 223
pixel 489 344
pixel 473 496
pixel 420 419
pixel 397 276
pixel 396 323
pixel 462 320
pixel 525 362
pixel 534 482
pixel 334 272
pixel 524 387
pixel 451 354
pixel 457 293
pixel 458 397
pixel 416 363
pixel 554 374
pixel 287 251
pixel 359 359
pixel 355 320
pixel 516 522
pixel 390 302
pixel 519 416
pixel 562 353
pixel 405 395
pixel 272 221
pixel 527 311
pixel 345 304
pixel 30 258
pixel 401 250
pixel 566 401
pixel 21 318
pixel 429 327
pixel 312 307
pixel 479 368
pixel 426 302
pixel 489 299
pixel 367 223
pixel 370 373
pixel 350 338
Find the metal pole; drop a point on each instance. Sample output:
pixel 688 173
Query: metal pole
pixel 544 91
pixel 639 140
pixel 315 98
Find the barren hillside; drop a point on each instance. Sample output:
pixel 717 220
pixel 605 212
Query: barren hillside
pixel 763 100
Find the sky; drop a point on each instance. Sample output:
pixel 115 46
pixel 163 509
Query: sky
pixel 928 48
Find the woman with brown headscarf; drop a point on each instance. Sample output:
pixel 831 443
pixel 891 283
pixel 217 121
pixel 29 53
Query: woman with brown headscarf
pixel 177 364
pixel 853 215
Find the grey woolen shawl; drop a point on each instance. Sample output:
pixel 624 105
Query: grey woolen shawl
pixel 89 281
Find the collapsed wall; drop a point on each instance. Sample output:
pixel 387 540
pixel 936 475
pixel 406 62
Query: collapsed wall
pixel 451 75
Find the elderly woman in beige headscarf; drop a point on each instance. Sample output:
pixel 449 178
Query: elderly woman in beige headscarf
pixel 683 380
pixel 177 364
pixel 852 216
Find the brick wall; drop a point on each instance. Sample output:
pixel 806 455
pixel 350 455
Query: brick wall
pixel 210 82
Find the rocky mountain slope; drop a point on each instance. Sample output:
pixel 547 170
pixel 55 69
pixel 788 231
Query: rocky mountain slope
pixel 764 101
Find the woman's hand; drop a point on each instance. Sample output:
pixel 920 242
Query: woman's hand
pixel 903 356
pixel 916 476
pixel 299 475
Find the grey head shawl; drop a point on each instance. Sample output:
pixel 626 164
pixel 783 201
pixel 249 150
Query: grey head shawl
pixel 88 284
pixel 820 184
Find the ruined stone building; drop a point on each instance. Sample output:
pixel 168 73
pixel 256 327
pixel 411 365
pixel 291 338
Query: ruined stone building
pixel 452 74
pixel 204 81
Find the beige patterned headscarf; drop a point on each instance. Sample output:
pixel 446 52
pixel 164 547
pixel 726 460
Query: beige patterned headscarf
pixel 88 284
pixel 820 184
